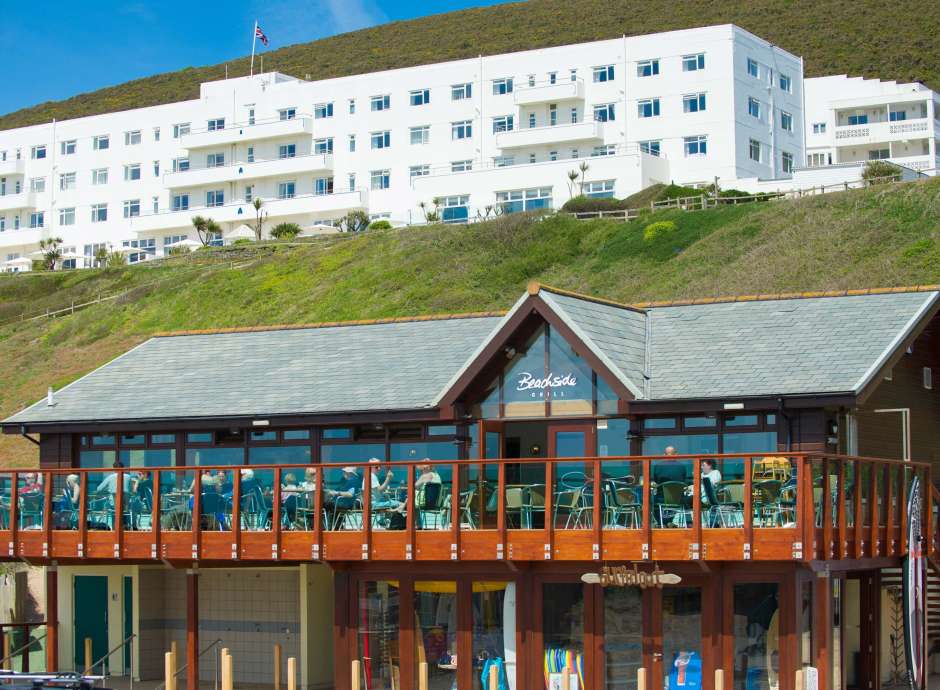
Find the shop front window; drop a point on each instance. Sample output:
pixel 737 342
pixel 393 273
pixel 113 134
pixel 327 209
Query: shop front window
pixel 378 641
pixel 623 637
pixel 563 634
pixel 435 605
pixel 682 638
pixel 494 634
pixel 756 627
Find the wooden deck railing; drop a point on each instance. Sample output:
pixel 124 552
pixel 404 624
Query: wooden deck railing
pixel 782 506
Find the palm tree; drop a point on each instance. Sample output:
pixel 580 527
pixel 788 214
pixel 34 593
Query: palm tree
pixel 260 217
pixel 583 168
pixel 572 176
pixel 206 228
pixel 52 252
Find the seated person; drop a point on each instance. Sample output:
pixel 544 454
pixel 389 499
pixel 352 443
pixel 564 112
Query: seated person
pixel 72 492
pixel 344 498
pixel 309 484
pixel 290 490
pixel 32 484
pixel 380 498
pixel 710 474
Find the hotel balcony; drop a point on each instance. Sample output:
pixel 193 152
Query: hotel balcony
pixel 234 134
pixel 323 205
pixel 797 507
pixel 549 93
pixel 21 238
pixel 875 132
pixel 248 171
pixel 13 202
pixel 12 167
pixel 588 131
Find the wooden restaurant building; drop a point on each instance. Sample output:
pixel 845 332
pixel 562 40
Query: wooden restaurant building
pixel 575 487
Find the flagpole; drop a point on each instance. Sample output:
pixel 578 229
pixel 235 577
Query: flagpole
pixel 254 39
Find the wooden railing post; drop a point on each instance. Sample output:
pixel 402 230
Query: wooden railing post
pixel 493 678
pixel 748 507
pixel 355 675
pixel 422 676
pixel 169 671
pixel 228 671
pixel 647 548
pixel 7 661
pixel 291 673
pixel 641 679
pixel 88 656
pixel 277 667
pixel 719 679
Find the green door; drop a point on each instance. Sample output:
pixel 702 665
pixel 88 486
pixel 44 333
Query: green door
pixel 91 618
pixel 128 620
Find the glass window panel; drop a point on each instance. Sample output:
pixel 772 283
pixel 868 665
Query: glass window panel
pixel 442 430
pixel 297 498
pixel 563 631
pixel 6 499
pixel 199 437
pixel 163 438
pixel 377 637
pixel 30 503
pixel 102 440
pixel 279 455
pixel 352 452
pixel 756 635
pixel 575 393
pixel 723 496
pixel 342 498
pixel 66 501
pixel 296 434
pixel 850 489
pixel 215 456
pixel 133 439
pixel 435 604
pixel 699 422
pixel 479 485
pixel 682 637
pixel 434 450
pixel 256 494
pixel 659 423
pixel 682 444
pixel 263 435
pixel 164 457
pixel 622 488
pixel 96 459
pixel 521 393
pixel 623 637
pixel 494 631
pixel 176 500
pixel 774 491
pixel 606 398
pixel 612 440
pixel 100 502
pixel 741 420
pixel 337 433
pixel 752 442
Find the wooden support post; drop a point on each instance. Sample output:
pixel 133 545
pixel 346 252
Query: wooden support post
pixel 565 679
pixel 493 678
pixel 192 629
pixel 355 675
pixel 228 672
pixel 52 618
pixel 169 671
pixel 719 679
pixel 798 680
pixel 291 673
pixel 7 661
pixel 277 667
pixel 88 660
pixel 174 665
pixel 174 648
pixel 641 679
pixel 422 676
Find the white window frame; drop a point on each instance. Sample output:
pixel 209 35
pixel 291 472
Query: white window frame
pixel 384 179
pixel 602 74
pixel 419 135
pixel 99 176
pixel 461 129
pixel 322 111
pixel 693 62
pixel 380 140
pixel 502 86
pixel 699 142
pixel 461 92
pixel 419 97
pixel 133 137
pixel 647 68
pixel 101 142
pixel 652 104
pixel 379 103
pixel 694 102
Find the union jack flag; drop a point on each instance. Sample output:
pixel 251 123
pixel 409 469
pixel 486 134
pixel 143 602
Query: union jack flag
pixel 259 34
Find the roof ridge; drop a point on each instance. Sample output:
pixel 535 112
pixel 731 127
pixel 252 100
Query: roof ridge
pixel 534 287
pixel 330 324
pixel 787 296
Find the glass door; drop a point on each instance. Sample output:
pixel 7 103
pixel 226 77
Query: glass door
pixel 675 641
pixel 573 482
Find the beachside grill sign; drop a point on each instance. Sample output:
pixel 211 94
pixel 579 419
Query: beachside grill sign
pixel 624 576
pixel 553 384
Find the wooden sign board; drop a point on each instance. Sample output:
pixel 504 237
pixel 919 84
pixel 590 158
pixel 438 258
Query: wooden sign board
pixel 623 576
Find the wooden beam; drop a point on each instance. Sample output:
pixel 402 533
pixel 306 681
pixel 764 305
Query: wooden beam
pixel 52 618
pixel 192 629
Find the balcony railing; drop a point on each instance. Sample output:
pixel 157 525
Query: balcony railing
pixel 243 170
pixel 762 507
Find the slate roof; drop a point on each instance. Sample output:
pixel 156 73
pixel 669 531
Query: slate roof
pixel 734 349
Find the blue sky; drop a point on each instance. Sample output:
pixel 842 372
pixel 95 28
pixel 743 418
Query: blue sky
pixel 58 48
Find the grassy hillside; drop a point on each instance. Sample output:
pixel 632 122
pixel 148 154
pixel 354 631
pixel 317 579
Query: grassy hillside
pixel 867 238
pixel 890 40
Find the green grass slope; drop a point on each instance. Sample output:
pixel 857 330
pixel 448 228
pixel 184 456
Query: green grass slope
pixel 890 40
pixel 886 236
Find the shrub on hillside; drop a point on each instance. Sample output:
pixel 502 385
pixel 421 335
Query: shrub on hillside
pixel 660 228
pixel 285 231
pixel 586 204
pixel 380 225
pixel 879 172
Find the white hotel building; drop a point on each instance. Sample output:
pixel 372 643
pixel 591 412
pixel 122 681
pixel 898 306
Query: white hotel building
pixel 684 106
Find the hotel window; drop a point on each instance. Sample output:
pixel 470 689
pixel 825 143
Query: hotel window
pixel 455 209
pixel 786 121
pixel 420 97
pixel 323 185
pixel 605 112
pixel 502 86
pixel 132 172
pixel 323 145
pixel 352 106
pixel 819 128
pixel 180 129
pixel 420 135
pixel 215 197
pixel 286 190
pixel 379 179
pixel 101 142
pixel 531 80
pixel 460 92
pixel 647 68
pixel 3 227
pixel 287 113
pixel 287 151
pixel 167 438
pixel 648 108
pixel 693 63
pixel 752 68
pixel 816 160
pixel 67 181
pixel 695 146
pixel 858 120
pixel 132 138
pixel 897 115
pixel 693 103
pixel 99 176
pixel 553 77
pixel 37 185
pixel 67 216
pixel 352 143
pixel 552 115
pixel 215 160
pixel 525 199
pixel 156 168
pixel 786 84
pixel 504 161
pixel 38 152
pixel 216 124
pixel 461 130
pixel 504 123
pixel 37 219
pixel 381 102
pixel 533 158
pixel 156 204
pixel 604 150
pixel 67 147
pixel 322 111
pixel 753 150
pixel 531 120
pixel 351 181
pixel 381 140
pixel 653 147
pixel 553 155
pixel 16 222
pixel 419 171
pixel 99 213
pixel 879 154
pixel 604 189
pixel 180 202
pixel 461 166
pixel 249 193
pixel 156 134
pixel 132 208
pixel 574 114
pixel 786 162
pixel 181 164
pixel 753 107
pixel 603 73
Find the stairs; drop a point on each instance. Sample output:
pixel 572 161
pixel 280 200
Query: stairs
pixel 891 577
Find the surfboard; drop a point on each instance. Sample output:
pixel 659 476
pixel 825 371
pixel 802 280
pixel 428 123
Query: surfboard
pixel 509 633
